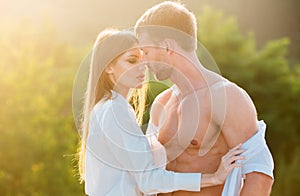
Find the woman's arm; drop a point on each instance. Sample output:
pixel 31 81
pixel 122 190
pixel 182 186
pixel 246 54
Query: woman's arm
pixel 130 151
pixel 125 147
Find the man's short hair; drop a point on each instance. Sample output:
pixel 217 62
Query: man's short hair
pixel 174 16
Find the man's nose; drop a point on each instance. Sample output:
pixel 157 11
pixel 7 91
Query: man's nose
pixel 142 67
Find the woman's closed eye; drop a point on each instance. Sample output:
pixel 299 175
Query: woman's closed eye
pixel 133 60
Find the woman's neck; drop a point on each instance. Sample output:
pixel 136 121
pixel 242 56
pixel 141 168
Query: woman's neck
pixel 121 90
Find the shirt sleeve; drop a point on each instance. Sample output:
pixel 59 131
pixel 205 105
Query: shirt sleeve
pixel 157 149
pixel 125 147
pixel 258 155
pixel 257 158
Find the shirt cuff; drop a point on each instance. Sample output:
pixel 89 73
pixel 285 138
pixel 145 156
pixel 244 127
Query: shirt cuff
pixel 187 181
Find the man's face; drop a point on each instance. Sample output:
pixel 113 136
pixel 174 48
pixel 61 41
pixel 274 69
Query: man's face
pixel 155 57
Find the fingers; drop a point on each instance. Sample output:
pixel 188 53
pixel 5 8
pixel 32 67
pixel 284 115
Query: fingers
pixel 235 158
pixel 229 159
pixel 232 154
pixel 228 162
pixel 235 151
pixel 234 165
pixel 236 147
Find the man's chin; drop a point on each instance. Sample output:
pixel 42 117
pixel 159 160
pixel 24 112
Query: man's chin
pixel 158 78
pixel 161 77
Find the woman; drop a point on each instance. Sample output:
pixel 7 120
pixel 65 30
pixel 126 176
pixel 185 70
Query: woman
pixel 115 156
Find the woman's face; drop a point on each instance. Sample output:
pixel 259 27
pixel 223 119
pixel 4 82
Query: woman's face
pixel 127 71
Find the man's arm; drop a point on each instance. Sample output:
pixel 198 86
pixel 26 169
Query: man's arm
pixel 240 123
pixel 257 183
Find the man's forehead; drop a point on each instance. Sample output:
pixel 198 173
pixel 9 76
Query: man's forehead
pixel 144 37
pixel 136 51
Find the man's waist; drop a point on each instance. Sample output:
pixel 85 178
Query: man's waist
pixel 194 163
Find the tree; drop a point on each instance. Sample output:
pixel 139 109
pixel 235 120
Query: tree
pixel 38 137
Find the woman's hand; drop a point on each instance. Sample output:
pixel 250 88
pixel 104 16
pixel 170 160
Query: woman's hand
pixel 228 163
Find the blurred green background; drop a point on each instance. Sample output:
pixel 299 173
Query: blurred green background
pixel 256 43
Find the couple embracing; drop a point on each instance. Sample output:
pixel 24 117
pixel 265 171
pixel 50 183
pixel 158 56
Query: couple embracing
pixel 203 136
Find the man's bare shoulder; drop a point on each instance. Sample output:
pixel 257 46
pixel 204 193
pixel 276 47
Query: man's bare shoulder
pixel 231 92
pixel 239 97
pixel 238 119
pixel 158 105
pixel 163 97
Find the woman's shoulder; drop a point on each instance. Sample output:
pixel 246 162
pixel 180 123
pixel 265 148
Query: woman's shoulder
pixel 101 106
pixel 113 106
pixel 104 112
pixel 115 113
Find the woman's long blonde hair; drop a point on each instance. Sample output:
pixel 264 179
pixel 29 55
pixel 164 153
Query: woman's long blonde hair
pixel 109 45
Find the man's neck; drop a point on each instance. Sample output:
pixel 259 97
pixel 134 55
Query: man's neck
pixel 188 74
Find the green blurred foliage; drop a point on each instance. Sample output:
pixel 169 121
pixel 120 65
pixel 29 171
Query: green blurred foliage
pixel 38 137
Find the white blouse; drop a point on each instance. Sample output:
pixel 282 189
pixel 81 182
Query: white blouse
pixel 119 159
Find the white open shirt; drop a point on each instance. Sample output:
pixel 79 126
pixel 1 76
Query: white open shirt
pixel 119 159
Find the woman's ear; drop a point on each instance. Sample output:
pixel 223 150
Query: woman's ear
pixel 109 70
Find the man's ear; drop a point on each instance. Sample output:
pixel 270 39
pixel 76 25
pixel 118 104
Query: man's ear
pixel 109 70
pixel 169 44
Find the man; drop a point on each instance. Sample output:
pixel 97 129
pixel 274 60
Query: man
pixel 203 115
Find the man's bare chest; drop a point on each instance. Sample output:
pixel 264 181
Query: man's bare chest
pixel 186 127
